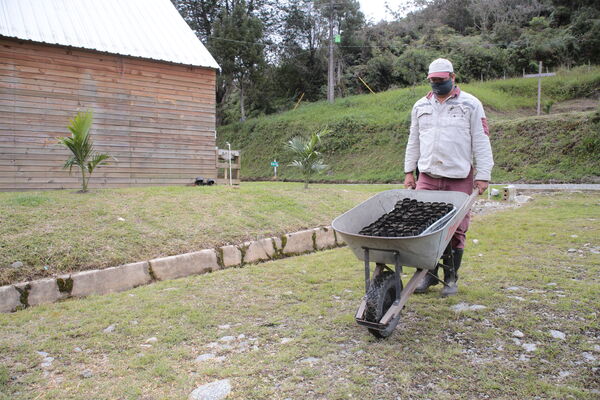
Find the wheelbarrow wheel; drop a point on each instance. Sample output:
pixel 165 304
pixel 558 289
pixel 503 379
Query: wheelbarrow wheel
pixel 380 297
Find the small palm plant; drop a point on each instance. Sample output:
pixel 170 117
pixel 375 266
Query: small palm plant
pixel 82 148
pixel 307 158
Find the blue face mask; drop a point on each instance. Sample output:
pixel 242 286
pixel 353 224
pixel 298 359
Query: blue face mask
pixel 442 88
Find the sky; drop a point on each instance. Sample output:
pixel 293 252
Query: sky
pixel 375 11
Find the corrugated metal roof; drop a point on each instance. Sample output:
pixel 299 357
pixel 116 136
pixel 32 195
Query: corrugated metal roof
pixel 139 28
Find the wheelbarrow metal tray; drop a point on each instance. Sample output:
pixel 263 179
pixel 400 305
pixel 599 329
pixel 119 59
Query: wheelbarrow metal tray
pixel 423 251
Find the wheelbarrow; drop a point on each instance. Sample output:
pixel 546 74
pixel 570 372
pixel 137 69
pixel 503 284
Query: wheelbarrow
pixel 385 295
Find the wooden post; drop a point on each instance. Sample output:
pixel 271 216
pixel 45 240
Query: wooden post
pixel 539 103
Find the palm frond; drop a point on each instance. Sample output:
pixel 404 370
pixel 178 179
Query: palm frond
pixel 70 163
pixel 97 159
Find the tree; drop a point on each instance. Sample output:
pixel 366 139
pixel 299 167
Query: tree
pixel 82 148
pixel 307 158
pixel 236 41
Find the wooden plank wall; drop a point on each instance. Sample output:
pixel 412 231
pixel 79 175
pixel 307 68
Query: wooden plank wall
pixel 157 119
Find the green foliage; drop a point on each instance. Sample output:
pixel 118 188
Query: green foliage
pixel 548 106
pixel 82 148
pixel 369 132
pixel 306 156
pixel 273 51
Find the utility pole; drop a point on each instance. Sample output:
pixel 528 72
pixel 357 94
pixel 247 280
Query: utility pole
pixel 330 71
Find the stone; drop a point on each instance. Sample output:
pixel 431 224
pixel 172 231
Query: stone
pixel 212 391
pixel 557 334
pixel 42 353
pixel 109 329
pixel 44 291
pixel 205 357
pixel 87 373
pixel 460 307
pixel 588 356
pixel 299 242
pixel 309 360
pixel 77 350
pixel 259 250
pixel 151 340
pixel 518 298
pixel 551 284
pixel 518 334
pixel 10 299
pixel 564 374
pixel 227 339
pixel 110 280
pixel 226 326
pixel 513 288
pixel 572 250
pixel 17 264
pixel 184 264
pixel 475 241
pixel 232 256
pixel 47 362
pixel 285 340
pixel 339 240
pixel 529 347
pixel 522 198
pixel 325 238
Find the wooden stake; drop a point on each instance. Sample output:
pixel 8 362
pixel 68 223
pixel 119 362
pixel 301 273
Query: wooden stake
pixel 365 83
pixel 299 100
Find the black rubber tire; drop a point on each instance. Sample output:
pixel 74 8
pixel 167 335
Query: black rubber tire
pixel 381 295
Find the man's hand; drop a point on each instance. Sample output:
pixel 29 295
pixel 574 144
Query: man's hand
pixel 409 181
pixel 480 185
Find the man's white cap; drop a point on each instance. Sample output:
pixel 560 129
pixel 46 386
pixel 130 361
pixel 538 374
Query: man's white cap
pixel 440 68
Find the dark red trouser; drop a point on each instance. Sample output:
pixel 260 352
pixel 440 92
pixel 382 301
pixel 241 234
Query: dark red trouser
pixel 464 185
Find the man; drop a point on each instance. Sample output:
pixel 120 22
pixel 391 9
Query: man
pixel 449 145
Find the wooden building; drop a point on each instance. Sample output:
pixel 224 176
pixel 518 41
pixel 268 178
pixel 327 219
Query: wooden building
pixel 136 64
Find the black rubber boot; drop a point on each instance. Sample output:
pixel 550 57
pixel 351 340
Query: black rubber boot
pixel 451 273
pixel 428 281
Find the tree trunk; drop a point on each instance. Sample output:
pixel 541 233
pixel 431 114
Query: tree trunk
pixel 83 181
pixel 242 108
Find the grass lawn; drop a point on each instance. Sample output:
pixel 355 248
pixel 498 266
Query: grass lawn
pixel 55 232
pixel 300 340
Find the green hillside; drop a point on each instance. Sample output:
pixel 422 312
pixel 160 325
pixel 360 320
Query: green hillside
pixel 369 132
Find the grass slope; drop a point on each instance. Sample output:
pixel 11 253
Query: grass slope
pixel 55 232
pixel 521 271
pixel 369 132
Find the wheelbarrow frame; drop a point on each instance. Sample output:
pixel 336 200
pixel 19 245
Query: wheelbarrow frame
pixel 422 252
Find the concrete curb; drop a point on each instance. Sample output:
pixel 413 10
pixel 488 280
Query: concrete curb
pixel 124 277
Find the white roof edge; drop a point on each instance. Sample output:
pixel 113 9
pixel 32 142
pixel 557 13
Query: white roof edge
pixel 156 31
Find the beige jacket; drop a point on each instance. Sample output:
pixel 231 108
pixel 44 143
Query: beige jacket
pixel 448 139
